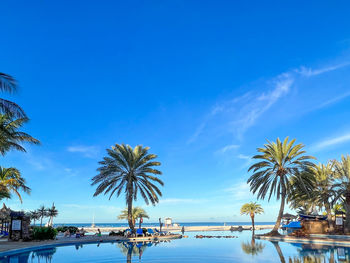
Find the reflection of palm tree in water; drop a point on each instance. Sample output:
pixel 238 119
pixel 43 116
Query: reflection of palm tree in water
pixel 307 255
pixel 130 249
pixel 279 251
pixel 252 248
pixel 45 254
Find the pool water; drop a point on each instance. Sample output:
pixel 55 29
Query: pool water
pixel 240 249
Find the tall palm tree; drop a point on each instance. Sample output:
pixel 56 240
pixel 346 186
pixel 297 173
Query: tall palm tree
pixel 12 181
pixel 137 213
pixel 34 215
pixel 10 136
pixel 9 84
pixel 130 171
pixel 42 213
pixel 279 164
pixel 342 173
pixel 51 213
pixel 252 209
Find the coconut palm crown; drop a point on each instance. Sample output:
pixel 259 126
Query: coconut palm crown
pixel 11 180
pixel 9 84
pixel 130 171
pixel 251 209
pixel 342 173
pixel 137 213
pixel 280 164
pixel 10 136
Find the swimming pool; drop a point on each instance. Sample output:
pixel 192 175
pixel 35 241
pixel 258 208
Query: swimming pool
pixel 240 249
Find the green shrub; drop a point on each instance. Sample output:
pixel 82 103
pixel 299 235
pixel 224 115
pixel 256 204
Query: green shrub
pixel 72 229
pixel 43 233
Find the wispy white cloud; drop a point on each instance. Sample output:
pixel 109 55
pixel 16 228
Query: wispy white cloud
pixel 228 148
pixel 239 191
pixel 309 72
pixel 332 101
pixel 331 142
pixel 87 151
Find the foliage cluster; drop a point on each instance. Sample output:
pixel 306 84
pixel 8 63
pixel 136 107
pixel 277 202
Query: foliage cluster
pixel 44 233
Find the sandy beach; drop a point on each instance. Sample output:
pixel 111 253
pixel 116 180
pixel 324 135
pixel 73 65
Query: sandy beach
pixel 187 228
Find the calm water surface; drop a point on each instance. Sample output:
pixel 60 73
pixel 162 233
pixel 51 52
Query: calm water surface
pixel 241 249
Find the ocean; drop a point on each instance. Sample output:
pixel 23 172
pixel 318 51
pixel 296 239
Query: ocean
pixel 156 224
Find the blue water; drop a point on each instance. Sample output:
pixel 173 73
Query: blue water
pixel 241 249
pixel 156 224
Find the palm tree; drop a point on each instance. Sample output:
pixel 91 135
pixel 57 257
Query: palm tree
pixel 323 192
pixel 137 213
pixel 251 209
pixel 279 165
pixel 9 84
pixel 130 171
pixel 42 213
pixel 12 181
pixel 10 136
pixel 342 172
pixel 52 212
pixel 34 215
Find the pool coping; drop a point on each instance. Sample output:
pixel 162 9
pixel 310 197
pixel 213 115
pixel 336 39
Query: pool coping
pixel 55 243
pixel 69 242
pixel 325 240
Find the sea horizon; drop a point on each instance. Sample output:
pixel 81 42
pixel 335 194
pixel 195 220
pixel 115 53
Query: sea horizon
pixel 157 224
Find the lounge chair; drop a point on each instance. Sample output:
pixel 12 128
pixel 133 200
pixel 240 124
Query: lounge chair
pixel 139 232
pixel 150 232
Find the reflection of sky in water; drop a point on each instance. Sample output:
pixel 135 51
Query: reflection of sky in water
pixel 241 249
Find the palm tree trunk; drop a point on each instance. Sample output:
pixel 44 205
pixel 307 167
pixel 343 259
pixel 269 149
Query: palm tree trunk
pixel 253 223
pixel 41 222
pixel 347 210
pixel 130 219
pixel 280 213
pixel 329 218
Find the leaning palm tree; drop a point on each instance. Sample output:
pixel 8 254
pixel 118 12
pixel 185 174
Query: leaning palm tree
pixel 11 180
pixel 10 136
pixel 342 173
pixel 137 213
pixel 130 171
pixel 279 164
pixel 252 209
pixel 42 213
pixel 51 213
pixel 9 84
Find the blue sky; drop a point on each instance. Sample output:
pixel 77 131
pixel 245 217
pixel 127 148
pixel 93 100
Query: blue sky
pixel 203 83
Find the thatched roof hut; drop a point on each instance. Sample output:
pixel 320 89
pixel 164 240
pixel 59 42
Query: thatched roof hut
pixel 288 216
pixel 5 213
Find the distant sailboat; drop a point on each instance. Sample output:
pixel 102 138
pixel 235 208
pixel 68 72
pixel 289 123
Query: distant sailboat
pixel 93 221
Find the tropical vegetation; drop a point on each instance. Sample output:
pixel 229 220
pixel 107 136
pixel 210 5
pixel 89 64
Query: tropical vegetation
pixel 11 181
pixel 252 209
pixel 137 213
pixel 130 171
pixel 9 84
pixel 280 166
pixel 12 118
